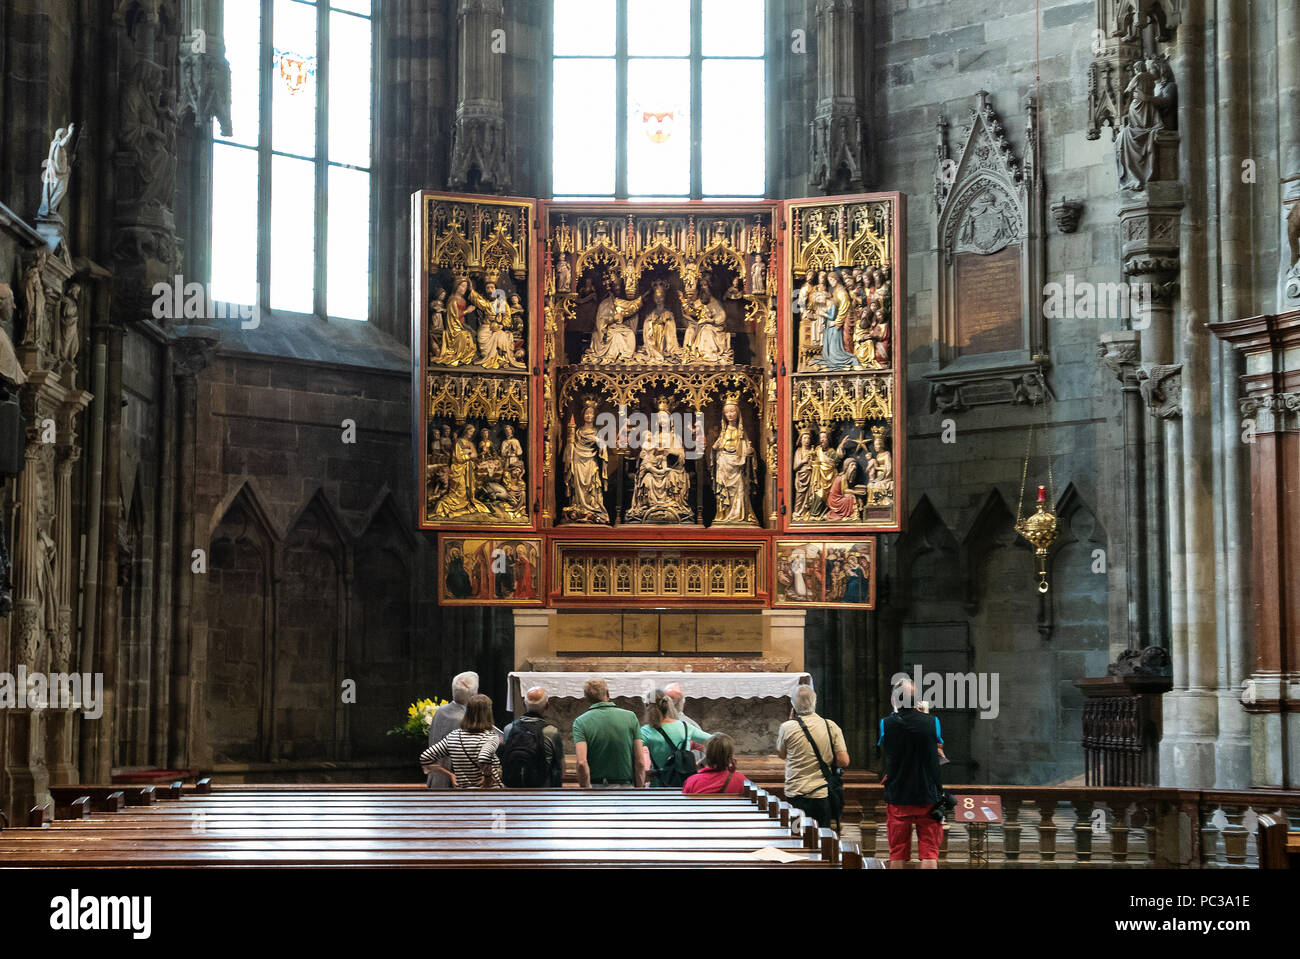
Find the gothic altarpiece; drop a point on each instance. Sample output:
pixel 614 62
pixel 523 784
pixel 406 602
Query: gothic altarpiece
pixel 660 394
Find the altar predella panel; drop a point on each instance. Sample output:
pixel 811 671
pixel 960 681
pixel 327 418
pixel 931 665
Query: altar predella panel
pixel 645 386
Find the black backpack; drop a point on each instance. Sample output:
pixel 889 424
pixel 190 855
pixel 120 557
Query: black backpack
pixel 523 757
pixel 680 765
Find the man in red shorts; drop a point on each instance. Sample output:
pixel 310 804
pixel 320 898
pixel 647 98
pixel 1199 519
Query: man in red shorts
pixel 910 741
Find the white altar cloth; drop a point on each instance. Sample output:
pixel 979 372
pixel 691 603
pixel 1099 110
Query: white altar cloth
pixel 642 684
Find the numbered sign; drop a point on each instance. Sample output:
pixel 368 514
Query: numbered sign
pixel 978 809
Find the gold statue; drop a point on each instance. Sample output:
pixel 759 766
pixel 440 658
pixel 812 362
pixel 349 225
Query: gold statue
pixel 663 490
pixel 461 498
pixel 803 457
pixel 496 344
pixel 880 471
pixel 586 476
pixel 457 341
pixel 733 468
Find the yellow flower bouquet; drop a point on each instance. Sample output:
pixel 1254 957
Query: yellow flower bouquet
pixel 419 717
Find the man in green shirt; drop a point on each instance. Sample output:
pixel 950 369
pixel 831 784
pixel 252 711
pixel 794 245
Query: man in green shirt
pixel 607 741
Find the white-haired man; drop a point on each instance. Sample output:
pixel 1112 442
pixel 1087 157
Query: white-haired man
pixel 812 748
pixel 678 699
pixel 533 754
pixel 449 717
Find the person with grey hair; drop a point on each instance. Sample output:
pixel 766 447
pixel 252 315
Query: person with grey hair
pixel 814 752
pixel 449 717
pixel 678 699
pixel 533 754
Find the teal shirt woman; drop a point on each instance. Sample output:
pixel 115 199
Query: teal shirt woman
pixel 661 714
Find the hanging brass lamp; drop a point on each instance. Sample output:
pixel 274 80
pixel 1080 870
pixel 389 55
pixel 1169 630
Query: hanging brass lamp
pixel 1040 530
pixel 1042 527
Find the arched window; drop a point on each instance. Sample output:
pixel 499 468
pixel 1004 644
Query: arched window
pixel 658 98
pixel 291 187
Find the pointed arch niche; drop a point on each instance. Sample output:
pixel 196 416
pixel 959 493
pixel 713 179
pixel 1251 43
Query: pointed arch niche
pixel 988 244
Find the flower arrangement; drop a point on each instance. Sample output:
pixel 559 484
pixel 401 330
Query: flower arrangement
pixel 419 717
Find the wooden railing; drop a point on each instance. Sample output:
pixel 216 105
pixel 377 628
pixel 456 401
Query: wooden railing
pixel 1124 827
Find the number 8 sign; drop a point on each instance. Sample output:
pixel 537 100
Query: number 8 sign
pixel 977 809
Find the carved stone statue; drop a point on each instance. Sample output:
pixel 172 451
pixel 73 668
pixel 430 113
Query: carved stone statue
pixel 1293 239
pixel 586 473
pixel 614 339
pixel 880 471
pixel 802 464
pixel 47 584
pixel 659 330
pixel 563 275
pixel 55 172
pixel 68 339
pixel 663 489
pixel 1151 94
pixel 712 342
pixel 758 276
pixel 35 329
pixel 733 469
pixel 10 369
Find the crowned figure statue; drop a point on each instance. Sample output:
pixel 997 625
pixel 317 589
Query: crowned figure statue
pixel 732 460
pixel 663 489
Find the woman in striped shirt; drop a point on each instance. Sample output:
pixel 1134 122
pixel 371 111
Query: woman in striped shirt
pixel 469 754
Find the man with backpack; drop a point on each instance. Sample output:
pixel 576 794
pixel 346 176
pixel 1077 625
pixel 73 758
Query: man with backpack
pixel 533 754
pixel 814 752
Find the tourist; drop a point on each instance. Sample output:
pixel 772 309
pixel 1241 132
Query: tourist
pixel 471 750
pixel 463 686
pixel 674 691
pixel 810 745
pixel 909 739
pixel 532 755
pixel 669 740
pixel 719 773
pixel 606 742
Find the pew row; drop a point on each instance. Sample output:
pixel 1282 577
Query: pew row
pixel 409 826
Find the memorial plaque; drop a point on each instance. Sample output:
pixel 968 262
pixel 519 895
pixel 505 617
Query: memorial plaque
pixel 989 302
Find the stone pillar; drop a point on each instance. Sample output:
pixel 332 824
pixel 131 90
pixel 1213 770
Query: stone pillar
pixel 63 723
pixel 783 634
pixel 533 631
pixel 838 162
pixel 192 351
pixel 480 150
pixel 1288 140
pixel 1271 411
pixel 1121 352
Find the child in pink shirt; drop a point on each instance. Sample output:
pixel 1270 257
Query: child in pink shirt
pixel 719 773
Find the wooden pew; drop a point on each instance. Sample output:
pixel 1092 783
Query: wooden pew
pixel 1279 846
pixel 410 826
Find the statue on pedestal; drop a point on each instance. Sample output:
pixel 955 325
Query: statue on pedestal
pixel 712 342
pixel 586 474
pixel 733 469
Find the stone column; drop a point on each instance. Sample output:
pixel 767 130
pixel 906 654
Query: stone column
pixel 192 351
pixel 838 162
pixel 783 636
pixel 1288 140
pixel 1121 352
pixel 1271 410
pixel 480 151
pixel 63 723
